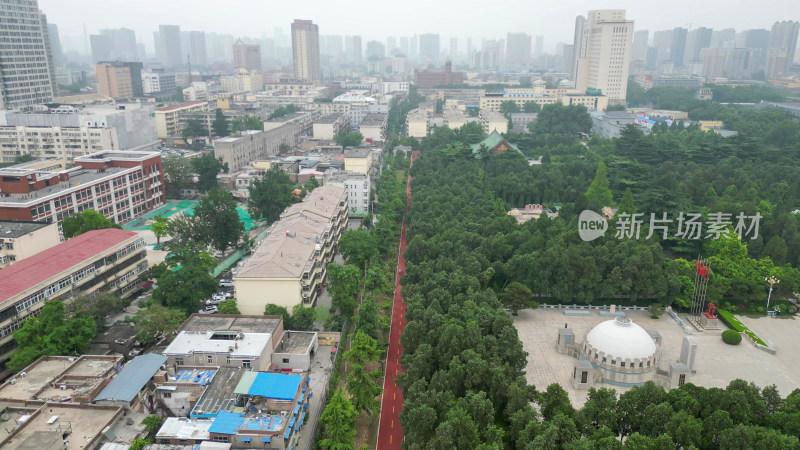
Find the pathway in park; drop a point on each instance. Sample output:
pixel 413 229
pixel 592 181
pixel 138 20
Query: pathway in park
pixel 390 434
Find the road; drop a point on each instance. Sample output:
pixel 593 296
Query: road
pixel 390 434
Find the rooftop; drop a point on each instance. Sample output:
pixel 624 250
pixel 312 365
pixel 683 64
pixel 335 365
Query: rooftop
pixel 219 395
pixel 108 155
pixel 357 152
pixel 287 250
pixel 132 378
pixel 278 386
pixel 77 177
pixel 184 428
pixel 85 423
pixel 15 229
pixel 374 119
pixel 621 338
pixel 181 106
pixel 297 342
pixel 25 274
pixel 246 324
pixel 236 344
pixel 80 375
pixel 330 118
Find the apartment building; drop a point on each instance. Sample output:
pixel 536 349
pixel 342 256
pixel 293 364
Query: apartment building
pixel 417 123
pixel 493 121
pixel 119 79
pixel 246 81
pixel 305 119
pixel 358 188
pixel 168 122
pixel 66 132
pixel 327 127
pixel 492 101
pixel 288 266
pixel 20 240
pixel 358 160
pixel 456 118
pixel 252 145
pixel 305 51
pixel 121 185
pixel 99 260
pixel 158 81
pixel 373 127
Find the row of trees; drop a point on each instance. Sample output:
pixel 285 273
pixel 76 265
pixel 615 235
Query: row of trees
pixel 197 173
pixel 221 126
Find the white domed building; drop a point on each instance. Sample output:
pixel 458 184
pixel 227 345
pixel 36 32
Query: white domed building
pixel 623 352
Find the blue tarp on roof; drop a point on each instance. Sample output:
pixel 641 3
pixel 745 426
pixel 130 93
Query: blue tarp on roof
pixel 226 423
pixel 132 378
pixel 245 439
pixel 275 385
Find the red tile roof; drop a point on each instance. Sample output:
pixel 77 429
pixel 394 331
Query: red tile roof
pixel 29 272
pixel 182 105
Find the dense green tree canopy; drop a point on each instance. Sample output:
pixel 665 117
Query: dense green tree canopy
pixel 207 168
pixel 349 139
pixel 218 219
pixel 246 122
pixel 84 221
pixel 271 194
pixel 220 124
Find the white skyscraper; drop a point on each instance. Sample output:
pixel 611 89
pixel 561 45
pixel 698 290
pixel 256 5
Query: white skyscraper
pixel 305 49
pixel 603 53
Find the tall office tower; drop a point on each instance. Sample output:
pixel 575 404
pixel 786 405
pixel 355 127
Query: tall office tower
pixel 169 45
pixel 698 39
pixel 605 57
pixel 720 37
pixel 246 56
pixel 49 52
pixel 123 43
pixel 391 45
pixel 677 51
pixel 741 63
pixel 578 45
pixel 413 43
pixel 102 47
pixel 404 45
pixel 490 56
pixel 358 51
pixel 538 48
pixel 651 59
pixel 55 44
pixel 24 81
pixel 429 47
pixel 713 62
pixel 375 50
pixel 197 48
pixel 567 52
pixel 469 47
pixel 639 48
pixel 519 48
pixel 662 41
pixel 782 47
pixel 453 47
pixel 305 51
pixel 758 40
pixel 335 46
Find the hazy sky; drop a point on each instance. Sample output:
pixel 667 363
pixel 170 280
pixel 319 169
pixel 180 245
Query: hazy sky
pixel 376 19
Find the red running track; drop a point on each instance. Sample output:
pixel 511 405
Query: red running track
pixel 390 434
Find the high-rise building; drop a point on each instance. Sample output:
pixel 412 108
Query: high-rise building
pixel 414 47
pixel 102 47
pixel 698 39
pixel 604 55
pixel 358 51
pixel 197 48
pixel 404 45
pixel 246 56
pixel 651 59
pixel 120 79
pixel 429 47
pixel 169 45
pixel 713 62
pixel 741 63
pixel 55 44
pixel 758 40
pixel 29 80
pixel 639 49
pixel 538 49
pixel 720 37
pixel 519 48
pixel 578 45
pixel 122 42
pixel 662 41
pixel 375 50
pixel 391 45
pixel 305 51
pixel 677 51
pixel 782 47
pixel 453 47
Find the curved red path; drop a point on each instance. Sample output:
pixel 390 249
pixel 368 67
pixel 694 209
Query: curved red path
pixel 390 434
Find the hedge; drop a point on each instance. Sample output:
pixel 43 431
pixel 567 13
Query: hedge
pixel 731 337
pixel 733 322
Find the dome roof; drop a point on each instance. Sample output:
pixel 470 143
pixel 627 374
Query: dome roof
pixel 621 338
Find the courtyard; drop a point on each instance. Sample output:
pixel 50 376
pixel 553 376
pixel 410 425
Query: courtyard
pixel 716 365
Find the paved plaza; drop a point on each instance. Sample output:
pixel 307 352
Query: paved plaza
pixel 717 363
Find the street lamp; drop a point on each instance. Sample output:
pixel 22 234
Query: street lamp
pixel 772 282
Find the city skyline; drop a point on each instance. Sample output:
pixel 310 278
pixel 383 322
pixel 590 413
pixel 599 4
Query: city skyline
pixel 555 25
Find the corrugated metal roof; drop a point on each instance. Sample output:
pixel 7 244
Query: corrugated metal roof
pixel 132 378
pixel 226 423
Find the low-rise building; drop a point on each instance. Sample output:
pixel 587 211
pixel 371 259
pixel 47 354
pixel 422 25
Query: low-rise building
pixel 295 351
pixel 67 132
pixel 373 127
pixel 358 159
pixel 198 91
pixel 61 379
pixel 417 123
pixel 221 348
pixel 456 118
pixel 99 260
pixel 288 266
pixel 393 86
pixel 20 239
pixel 791 108
pixel 303 118
pixel 358 189
pixel 245 81
pixel 610 124
pixel 327 127
pixel 158 81
pixel 53 425
pixel 168 121
pixel 252 145
pixel 520 122
pixel 492 121
pixel 133 384
pixel 121 185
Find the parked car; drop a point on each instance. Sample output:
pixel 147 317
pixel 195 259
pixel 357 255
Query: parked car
pixel 216 299
pixel 225 283
pixel 218 254
pixel 209 309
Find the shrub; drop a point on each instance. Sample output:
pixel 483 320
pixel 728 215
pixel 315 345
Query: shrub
pixel 731 337
pixel 760 309
pixel 792 310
